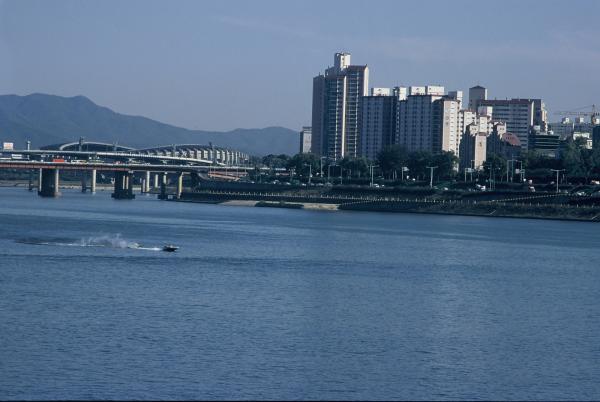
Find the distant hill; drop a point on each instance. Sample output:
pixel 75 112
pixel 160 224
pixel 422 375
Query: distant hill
pixel 49 119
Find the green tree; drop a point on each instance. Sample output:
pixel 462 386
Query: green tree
pixel 446 162
pixel 495 164
pixel 303 164
pixel 276 161
pixel 535 160
pixel 418 162
pixel 392 158
pixel 356 167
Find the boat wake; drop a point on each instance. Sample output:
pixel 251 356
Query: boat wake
pixel 108 241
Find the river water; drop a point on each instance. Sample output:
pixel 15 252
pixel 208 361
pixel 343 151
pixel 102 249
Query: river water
pixel 291 304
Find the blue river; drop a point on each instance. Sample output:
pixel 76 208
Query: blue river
pixel 262 303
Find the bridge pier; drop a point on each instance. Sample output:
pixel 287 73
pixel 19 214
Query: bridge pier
pixel 146 183
pixel 30 186
pixel 49 184
pixel 83 181
pixel 156 180
pixel 93 182
pixel 123 186
pixel 179 185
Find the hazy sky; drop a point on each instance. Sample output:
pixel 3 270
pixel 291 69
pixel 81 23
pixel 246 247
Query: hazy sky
pixel 219 65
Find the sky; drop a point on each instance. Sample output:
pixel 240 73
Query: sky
pixel 220 65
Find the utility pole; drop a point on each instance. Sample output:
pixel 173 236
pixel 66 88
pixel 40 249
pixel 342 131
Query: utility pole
pixel 557 171
pixel 431 175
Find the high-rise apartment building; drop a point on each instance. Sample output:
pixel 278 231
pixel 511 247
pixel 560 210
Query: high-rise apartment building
pixel 378 121
pixel 337 104
pixel 415 121
pixel 428 120
pixel 446 125
pixel 520 115
pixel 305 140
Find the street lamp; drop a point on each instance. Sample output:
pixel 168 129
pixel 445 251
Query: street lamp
pixel 372 168
pixel 557 171
pixel 512 171
pixel 431 175
pixel 321 169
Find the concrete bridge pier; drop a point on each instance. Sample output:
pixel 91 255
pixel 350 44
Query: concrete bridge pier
pixel 39 180
pixel 146 183
pixel 30 186
pixel 83 181
pixel 123 186
pixel 156 185
pixel 93 182
pixel 49 185
pixel 179 185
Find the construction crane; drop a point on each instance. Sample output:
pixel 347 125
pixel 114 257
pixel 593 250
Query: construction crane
pixel 594 114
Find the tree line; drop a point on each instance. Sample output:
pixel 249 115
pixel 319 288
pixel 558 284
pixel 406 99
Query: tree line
pixel 394 162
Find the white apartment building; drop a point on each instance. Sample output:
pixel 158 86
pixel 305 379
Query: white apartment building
pixel 448 138
pixel 336 115
pixel 428 120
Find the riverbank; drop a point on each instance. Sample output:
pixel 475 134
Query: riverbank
pixel 498 208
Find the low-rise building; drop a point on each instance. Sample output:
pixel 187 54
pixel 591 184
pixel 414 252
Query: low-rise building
pixel 544 142
pixel 473 148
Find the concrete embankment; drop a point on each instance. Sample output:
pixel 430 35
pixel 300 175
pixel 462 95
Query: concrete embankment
pixel 533 210
pixel 489 209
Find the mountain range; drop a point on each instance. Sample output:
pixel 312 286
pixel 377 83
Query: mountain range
pixel 49 119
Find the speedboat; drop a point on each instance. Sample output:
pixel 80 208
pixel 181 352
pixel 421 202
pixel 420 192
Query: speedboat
pixel 170 248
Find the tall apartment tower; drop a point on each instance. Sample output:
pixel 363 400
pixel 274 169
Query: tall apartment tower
pixel 476 94
pixel 415 120
pixel 337 104
pixel 378 121
pixel 428 120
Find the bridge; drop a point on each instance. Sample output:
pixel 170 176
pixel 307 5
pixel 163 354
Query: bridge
pixel 198 161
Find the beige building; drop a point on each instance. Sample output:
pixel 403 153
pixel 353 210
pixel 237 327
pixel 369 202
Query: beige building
pixel 473 148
